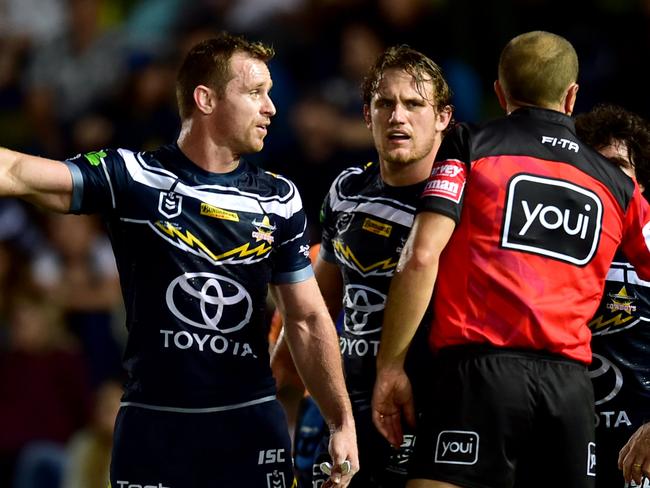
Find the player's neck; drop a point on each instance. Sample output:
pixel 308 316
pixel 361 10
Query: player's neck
pixel 400 174
pixel 206 153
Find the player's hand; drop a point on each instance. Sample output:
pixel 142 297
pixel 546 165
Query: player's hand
pixel 345 457
pixel 391 397
pixel 634 458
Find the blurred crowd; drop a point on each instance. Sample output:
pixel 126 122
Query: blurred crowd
pixel 80 75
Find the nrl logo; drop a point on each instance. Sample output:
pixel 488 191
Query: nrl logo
pixel 169 204
pixel 264 230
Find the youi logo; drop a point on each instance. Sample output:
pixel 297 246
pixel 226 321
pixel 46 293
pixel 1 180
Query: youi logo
pixel 457 447
pixel 552 217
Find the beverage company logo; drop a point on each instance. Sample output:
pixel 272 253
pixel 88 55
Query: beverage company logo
pixel 551 217
pixel 218 213
pixel 170 204
pixel 377 227
pixel 360 302
pixel 457 447
pixel 447 180
pixel 204 299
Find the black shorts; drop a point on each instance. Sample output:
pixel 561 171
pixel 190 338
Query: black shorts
pixel 382 466
pixel 247 446
pixel 501 418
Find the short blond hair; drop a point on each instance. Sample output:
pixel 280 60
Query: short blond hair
pixel 537 68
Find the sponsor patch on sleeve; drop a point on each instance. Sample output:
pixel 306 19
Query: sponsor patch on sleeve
pixel 447 180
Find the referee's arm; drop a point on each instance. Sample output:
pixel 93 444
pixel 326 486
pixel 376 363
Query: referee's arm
pixel 408 297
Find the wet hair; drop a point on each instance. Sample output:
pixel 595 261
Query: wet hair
pixel 208 63
pixel 537 68
pixel 420 67
pixel 608 123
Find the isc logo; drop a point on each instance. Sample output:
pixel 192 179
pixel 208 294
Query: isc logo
pixel 271 456
pixel 553 218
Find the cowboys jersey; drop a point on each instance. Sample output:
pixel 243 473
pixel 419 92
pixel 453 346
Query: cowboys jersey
pixel 195 251
pixel 365 225
pixel 620 370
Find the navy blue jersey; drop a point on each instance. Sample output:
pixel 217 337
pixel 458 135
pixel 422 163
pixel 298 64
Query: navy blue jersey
pixel 365 225
pixel 621 346
pixel 195 251
pixel 620 370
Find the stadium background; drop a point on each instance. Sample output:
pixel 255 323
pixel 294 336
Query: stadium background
pixel 80 75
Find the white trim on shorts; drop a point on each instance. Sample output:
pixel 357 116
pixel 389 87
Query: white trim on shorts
pixel 224 408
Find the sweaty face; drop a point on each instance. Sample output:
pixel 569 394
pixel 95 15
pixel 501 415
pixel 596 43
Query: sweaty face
pixel 246 109
pixel 404 124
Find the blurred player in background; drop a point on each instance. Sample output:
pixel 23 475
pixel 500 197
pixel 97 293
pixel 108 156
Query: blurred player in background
pixel 620 370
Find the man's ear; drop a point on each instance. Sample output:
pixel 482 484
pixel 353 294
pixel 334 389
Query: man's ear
pixel 443 118
pixel 366 115
pixel 205 99
pixel 570 98
pixel 501 95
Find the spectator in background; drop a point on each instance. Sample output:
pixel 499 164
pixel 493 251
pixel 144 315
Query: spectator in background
pixel 620 369
pixel 78 272
pixel 89 451
pixel 327 123
pixel 44 389
pixel 145 116
pixel 72 75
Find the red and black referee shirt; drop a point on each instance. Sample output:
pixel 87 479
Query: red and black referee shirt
pixel 539 217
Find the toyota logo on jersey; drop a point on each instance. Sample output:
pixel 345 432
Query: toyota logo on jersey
pixel 206 300
pixel 360 302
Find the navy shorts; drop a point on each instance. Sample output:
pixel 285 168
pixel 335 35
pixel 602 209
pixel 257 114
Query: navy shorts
pixel 244 447
pixel 500 419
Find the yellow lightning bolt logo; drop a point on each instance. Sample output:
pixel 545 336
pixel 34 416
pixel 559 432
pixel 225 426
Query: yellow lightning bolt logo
pixel 599 322
pixel 193 243
pixel 347 255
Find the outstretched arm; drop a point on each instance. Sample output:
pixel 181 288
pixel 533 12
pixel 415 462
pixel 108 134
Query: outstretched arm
pixel 312 339
pixel 44 182
pixel 408 298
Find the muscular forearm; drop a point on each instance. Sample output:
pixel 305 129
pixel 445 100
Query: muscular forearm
pixel 314 347
pixel 404 310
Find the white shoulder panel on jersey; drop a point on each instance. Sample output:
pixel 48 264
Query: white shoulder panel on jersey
pixel 385 208
pixel 161 179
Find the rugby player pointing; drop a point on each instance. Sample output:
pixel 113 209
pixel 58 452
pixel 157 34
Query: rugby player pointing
pixel 198 235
